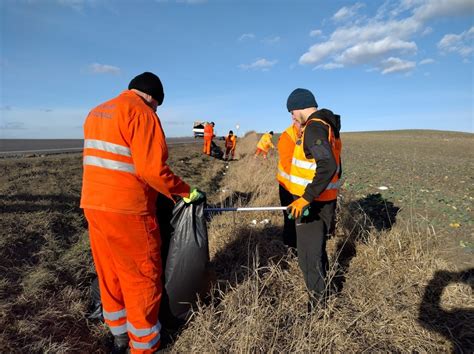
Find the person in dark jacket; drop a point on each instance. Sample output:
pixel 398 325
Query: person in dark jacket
pixel 314 182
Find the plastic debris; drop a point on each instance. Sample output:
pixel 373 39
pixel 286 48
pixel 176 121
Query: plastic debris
pixel 265 221
pixel 382 188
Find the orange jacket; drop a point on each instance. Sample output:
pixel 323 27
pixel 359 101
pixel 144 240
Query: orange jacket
pixel 286 146
pixel 208 132
pixel 230 141
pixel 125 157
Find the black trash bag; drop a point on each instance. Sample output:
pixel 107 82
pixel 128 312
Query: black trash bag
pixel 183 233
pixel 95 306
pixel 188 257
pixel 216 151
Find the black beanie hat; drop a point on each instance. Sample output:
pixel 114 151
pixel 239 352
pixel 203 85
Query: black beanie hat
pixel 150 84
pixel 300 99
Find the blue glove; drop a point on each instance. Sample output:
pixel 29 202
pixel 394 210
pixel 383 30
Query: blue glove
pixel 194 196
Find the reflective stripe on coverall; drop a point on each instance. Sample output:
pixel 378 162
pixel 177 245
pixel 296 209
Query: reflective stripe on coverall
pixel 125 157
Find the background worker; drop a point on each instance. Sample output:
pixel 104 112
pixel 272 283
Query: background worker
pixel 314 180
pixel 230 142
pixel 125 167
pixel 264 145
pixel 208 135
pixel 286 145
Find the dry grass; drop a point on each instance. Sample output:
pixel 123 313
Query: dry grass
pixel 386 283
pixel 391 290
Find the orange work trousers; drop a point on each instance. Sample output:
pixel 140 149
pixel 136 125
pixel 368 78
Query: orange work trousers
pixel 207 146
pixel 126 252
pixel 260 151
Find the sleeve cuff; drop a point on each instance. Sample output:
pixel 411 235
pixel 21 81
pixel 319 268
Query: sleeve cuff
pixel 308 197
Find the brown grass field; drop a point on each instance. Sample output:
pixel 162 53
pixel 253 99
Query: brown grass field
pixel 402 259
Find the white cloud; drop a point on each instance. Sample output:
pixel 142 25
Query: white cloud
pixel 347 12
pixel 260 64
pixel 366 52
pixel 329 66
pixel 391 33
pixel 393 65
pixel 246 36
pixel 427 31
pixel 315 33
pixel 97 68
pixel 458 43
pixel 441 8
pixel 271 40
pixel 426 61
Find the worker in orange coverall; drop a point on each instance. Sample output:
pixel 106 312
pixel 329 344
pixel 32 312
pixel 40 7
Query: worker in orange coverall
pixel 230 142
pixel 264 145
pixel 125 167
pixel 208 135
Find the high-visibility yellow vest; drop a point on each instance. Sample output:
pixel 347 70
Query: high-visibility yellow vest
pixel 303 169
pixel 286 146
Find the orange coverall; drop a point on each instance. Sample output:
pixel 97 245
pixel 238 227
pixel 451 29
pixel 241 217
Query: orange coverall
pixel 230 142
pixel 125 157
pixel 208 135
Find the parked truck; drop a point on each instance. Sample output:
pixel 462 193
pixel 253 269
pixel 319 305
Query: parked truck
pixel 198 129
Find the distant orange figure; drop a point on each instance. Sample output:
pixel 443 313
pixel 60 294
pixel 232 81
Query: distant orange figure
pixel 264 145
pixel 208 135
pixel 230 142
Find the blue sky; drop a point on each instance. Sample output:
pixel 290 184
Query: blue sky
pixel 382 65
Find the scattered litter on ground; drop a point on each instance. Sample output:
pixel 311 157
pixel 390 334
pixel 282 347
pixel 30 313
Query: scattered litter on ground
pixel 382 188
pixel 468 246
pixel 455 225
pixel 265 221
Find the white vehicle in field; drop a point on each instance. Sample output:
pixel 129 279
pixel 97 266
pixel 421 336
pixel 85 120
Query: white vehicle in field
pixel 198 129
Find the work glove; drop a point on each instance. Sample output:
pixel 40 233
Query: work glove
pixel 300 207
pixel 194 196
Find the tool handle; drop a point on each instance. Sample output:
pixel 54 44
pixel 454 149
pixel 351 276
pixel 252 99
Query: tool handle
pixel 217 210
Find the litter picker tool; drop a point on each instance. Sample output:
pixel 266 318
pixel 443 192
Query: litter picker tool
pixel 218 210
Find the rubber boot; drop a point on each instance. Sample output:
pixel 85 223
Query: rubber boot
pixel 121 344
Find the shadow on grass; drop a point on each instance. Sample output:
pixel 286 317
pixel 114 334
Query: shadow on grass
pixel 363 216
pixel 252 250
pixel 456 325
